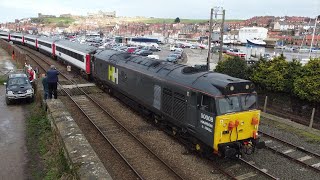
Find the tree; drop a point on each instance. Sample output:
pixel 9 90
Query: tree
pixel 234 67
pixel 307 86
pixel 177 20
pixel 294 71
pixel 271 75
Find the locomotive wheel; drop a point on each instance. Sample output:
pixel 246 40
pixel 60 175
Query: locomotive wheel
pixel 156 121
pixel 174 131
pixel 109 90
pixel 198 147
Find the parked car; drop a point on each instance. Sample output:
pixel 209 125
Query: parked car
pixel 153 56
pixel 144 52
pixel 18 86
pixel 194 46
pixel 267 56
pixel 131 49
pixel 174 48
pixel 152 48
pixel 136 51
pixel 172 59
pixel 251 62
pixel 179 54
pixel 236 52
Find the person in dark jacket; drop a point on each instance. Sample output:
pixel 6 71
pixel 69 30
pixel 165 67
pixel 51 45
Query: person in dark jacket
pixel 52 79
pixel 45 86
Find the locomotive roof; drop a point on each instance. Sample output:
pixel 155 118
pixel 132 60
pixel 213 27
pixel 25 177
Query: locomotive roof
pixel 207 81
pixel 76 46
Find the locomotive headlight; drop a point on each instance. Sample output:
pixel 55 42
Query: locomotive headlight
pixel 247 86
pixel 231 88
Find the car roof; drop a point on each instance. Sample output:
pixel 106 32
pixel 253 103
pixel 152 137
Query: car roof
pixel 17 75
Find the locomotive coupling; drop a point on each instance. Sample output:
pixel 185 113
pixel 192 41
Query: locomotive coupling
pixel 260 144
pixel 230 150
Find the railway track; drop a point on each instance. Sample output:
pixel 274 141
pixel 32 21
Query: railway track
pixel 290 151
pixel 241 169
pixel 139 158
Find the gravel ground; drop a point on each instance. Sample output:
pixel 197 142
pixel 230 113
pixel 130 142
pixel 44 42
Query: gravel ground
pixel 110 159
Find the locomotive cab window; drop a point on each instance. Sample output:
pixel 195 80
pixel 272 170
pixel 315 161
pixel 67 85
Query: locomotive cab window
pixel 207 103
pixel 249 101
pixel 229 104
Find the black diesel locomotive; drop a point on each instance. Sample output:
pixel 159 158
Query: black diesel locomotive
pixel 217 113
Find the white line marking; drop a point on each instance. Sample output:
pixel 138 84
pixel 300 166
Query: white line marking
pixel 288 151
pixel 246 176
pixel 304 158
pixel 316 165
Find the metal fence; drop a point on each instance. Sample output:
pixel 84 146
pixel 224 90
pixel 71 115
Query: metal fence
pixel 290 107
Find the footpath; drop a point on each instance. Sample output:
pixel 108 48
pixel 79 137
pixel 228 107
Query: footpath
pixel 13 151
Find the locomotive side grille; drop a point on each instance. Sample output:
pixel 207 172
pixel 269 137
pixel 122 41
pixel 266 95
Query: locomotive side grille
pixel 167 101
pixel 179 109
pixel 179 96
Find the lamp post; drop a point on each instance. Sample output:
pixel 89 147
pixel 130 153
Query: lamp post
pixel 209 40
pixel 216 11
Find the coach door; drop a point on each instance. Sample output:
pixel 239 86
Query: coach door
pixel 192 109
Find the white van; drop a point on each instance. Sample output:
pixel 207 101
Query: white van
pixel 153 56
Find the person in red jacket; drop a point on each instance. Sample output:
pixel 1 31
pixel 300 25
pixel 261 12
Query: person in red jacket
pixel 31 74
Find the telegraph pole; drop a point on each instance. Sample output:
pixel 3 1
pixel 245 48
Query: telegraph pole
pixel 314 31
pixel 209 40
pixel 221 35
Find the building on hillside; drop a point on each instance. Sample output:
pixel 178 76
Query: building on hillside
pixel 102 14
pixel 40 15
pixel 66 15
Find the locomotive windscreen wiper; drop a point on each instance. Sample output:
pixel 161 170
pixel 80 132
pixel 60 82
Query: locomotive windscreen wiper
pixel 230 102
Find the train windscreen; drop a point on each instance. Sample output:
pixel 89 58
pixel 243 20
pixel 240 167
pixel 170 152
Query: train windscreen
pixel 237 103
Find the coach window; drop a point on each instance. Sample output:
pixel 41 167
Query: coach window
pixel 207 103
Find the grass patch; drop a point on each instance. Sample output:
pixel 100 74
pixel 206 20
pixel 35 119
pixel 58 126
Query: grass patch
pixel 2 79
pixel 309 137
pixel 59 21
pixel 46 158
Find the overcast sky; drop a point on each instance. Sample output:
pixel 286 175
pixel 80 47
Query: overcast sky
pixel 192 9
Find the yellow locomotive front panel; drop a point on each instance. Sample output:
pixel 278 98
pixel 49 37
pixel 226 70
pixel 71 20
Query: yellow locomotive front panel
pixel 235 127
